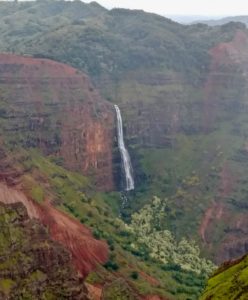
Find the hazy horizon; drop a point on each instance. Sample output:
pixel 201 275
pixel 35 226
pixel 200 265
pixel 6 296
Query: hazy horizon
pixel 218 8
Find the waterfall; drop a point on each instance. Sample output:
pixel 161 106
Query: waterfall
pixel 125 157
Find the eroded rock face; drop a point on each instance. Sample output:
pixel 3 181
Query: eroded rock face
pixel 55 107
pixel 32 266
pixel 87 142
pixel 226 91
pixel 86 251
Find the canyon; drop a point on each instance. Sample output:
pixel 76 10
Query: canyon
pixel 163 106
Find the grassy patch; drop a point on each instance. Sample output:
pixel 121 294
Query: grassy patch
pixel 6 285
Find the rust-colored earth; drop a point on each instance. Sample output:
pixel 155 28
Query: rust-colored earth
pixel 153 281
pixel 225 55
pixel 86 251
pixel 94 292
pixel 61 113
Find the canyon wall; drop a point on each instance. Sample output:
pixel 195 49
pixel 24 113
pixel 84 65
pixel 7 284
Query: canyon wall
pixel 178 129
pixel 55 107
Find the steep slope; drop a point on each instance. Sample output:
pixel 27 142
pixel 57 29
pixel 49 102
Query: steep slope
pixel 54 107
pixel 229 282
pixel 19 186
pixel 32 266
pixel 86 251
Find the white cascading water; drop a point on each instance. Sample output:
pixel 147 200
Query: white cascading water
pixel 125 157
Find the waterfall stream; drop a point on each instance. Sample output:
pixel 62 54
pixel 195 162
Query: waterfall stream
pixel 125 157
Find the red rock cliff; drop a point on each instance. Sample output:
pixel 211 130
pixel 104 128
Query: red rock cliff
pixel 86 251
pixel 55 107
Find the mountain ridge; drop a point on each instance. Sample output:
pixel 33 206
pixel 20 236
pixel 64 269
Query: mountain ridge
pixel 222 21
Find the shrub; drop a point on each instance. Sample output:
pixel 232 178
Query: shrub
pixel 135 275
pixel 171 267
pixel 111 265
pixel 96 234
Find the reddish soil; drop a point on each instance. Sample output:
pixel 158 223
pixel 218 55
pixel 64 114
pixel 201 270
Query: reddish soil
pixel 213 213
pixel 231 52
pixel 86 251
pixel 217 210
pixel 94 292
pixel 149 279
pixel 235 242
pixel 32 67
pixel 225 55
pixel 87 142
pixel 66 116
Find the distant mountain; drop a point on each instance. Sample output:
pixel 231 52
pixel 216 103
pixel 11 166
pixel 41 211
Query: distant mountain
pixel 242 19
pixel 189 19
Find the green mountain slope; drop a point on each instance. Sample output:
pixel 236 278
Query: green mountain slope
pixel 229 282
pixel 99 41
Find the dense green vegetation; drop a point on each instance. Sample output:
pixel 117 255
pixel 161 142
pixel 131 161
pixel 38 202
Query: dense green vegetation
pixel 100 42
pixel 149 227
pixel 229 282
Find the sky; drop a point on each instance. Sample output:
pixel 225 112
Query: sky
pixel 183 7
